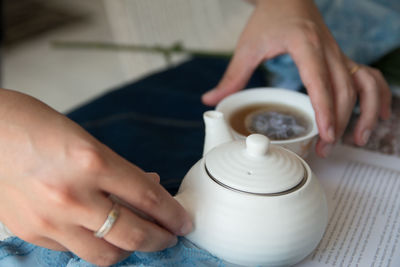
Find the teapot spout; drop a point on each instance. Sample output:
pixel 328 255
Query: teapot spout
pixel 217 131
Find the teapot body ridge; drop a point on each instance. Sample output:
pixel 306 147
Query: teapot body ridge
pixel 253 230
pixel 252 203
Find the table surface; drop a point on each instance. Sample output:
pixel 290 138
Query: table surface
pixel 385 138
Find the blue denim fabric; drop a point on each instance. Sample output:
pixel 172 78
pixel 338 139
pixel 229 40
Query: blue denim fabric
pixel 16 253
pixel 157 124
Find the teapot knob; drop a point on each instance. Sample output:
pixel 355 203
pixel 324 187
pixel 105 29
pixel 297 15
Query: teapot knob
pixel 257 145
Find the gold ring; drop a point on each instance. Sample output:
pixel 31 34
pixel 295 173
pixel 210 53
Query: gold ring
pixel 109 222
pixel 354 69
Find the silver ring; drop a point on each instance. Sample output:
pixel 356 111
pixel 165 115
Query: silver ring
pixel 108 224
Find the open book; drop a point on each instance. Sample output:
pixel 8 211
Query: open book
pixel 363 192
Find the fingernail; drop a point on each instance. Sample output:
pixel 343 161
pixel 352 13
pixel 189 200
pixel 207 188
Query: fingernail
pixel 326 150
pixel 186 228
pixel 365 136
pixel 173 243
pixel 331 134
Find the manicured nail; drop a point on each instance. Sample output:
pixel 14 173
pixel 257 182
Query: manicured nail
pixel 326 150
pixel 173 243
pixel 186 228
pixel 331 133
pixel 365 136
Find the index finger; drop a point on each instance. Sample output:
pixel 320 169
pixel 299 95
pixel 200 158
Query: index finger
pixel 314 73
pixel 236 76
pixel 132 185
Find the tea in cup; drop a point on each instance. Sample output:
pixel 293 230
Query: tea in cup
pixel 285 116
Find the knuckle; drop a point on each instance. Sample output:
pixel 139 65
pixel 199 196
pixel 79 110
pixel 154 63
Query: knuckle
pixel 348 94
pixel 154 176
pixel 136 240
pixel 89 159
pixel 371 84
pixel 108 257
pixel 150 199
pixel 374 70
pixel 249 52
pixel 308 32
pixel 61 196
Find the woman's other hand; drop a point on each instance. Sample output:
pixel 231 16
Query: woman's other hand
pixel 296 27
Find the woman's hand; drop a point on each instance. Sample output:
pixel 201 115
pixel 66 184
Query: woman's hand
pixel 296 27
pixel 55 180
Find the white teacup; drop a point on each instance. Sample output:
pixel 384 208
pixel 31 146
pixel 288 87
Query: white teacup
pixel 264 95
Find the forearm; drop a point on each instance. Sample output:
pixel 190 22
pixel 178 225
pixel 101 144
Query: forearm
pixel 26 115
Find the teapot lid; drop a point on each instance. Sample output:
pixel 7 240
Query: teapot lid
pixel 254 166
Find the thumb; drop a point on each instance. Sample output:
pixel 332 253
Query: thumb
pixel 235 78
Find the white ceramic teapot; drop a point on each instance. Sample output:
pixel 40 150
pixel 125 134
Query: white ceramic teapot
pixel 252 203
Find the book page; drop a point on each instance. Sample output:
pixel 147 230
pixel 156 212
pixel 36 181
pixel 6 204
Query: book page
pixel 364 206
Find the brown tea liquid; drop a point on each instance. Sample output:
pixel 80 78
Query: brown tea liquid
pixel 277 121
